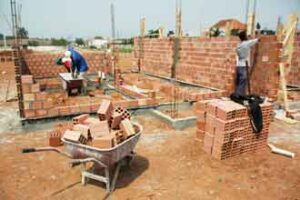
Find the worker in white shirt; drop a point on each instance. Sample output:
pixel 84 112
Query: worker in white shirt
pixel 243 52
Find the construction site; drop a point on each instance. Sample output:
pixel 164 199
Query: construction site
pixel 159 122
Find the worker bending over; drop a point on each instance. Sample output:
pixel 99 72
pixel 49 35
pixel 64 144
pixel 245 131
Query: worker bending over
pixel 75 63
pixel 243 52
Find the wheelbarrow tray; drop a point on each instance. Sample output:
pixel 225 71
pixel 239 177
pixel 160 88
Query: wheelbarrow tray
pixel 106 156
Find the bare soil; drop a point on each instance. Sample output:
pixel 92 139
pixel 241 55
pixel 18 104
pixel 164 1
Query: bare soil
pixel 169 165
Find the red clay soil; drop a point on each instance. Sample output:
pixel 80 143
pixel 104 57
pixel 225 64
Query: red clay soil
pixel 169 165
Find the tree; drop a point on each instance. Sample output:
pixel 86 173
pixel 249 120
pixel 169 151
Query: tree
pixel 59 42
pixel 214 32
pixel 33 43
pixel 1 36
pixel 22 32
pixel 258 26
pixel 79 41
pixel 153 33
pixel 98 37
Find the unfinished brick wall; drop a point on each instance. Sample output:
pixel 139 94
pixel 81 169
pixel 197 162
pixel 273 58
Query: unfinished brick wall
pixel 42 65
pixel 293 77
pixel 265 76
pixel 210 62
pixel 207 61
pixel 155 54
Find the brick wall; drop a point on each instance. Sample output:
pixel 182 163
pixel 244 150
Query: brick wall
pixel 265 76
pixel 293 77
pixel 210 62
pixel 156 55
pixel 42 65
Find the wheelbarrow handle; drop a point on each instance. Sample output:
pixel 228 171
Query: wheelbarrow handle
pixel 28 150
pixel 40 149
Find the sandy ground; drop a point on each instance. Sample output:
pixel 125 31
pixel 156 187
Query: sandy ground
pixel 169 165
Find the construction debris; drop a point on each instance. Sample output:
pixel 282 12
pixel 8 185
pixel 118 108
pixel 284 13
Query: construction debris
pixel 281 151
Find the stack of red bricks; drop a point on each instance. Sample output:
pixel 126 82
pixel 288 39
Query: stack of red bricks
pixel 112 127
pixel 225 129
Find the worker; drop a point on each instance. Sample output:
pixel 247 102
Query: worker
pixel 79 65
pixel 75 63
pixel 243 52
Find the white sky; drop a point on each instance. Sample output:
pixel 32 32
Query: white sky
pixel 78 18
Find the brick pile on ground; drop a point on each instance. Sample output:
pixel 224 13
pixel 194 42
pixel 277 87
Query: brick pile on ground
pixel 225 130
pixel 112 127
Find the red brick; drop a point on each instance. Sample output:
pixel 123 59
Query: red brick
pixel 36 105
pixel 28 97
pixel 29 113
pixel 41 113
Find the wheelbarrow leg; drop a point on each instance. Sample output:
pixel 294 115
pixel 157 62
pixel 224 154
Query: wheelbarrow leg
pixel 116 174
pixel 107 183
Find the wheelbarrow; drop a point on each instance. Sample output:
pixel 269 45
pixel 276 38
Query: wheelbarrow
pixel 106 159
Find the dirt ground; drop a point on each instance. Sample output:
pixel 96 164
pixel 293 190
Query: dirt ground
pixel 169 165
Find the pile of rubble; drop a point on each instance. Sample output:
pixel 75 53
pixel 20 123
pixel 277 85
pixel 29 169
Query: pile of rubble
pixel 112 127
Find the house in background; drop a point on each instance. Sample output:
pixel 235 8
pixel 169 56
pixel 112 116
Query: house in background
pixel 97 43
pixel 228 26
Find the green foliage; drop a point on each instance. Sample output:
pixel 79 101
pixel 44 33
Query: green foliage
pixel 93 47
pixel 129 41
pixel 214 32
pixel 1 36
pixel 234 32
pixel 23 33
pixel 126 50
pixel 98 37
pixel 59 42
pixel 79 41
pixel 258 26
pixel 33 43
pixel 154 33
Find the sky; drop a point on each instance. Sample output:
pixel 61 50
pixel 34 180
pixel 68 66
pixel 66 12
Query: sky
pixel 87 18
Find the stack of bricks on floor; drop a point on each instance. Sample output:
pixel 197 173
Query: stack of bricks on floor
pixel 224 128
pixel 112 127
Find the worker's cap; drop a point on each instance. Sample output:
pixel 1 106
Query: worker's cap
pixel 68 54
